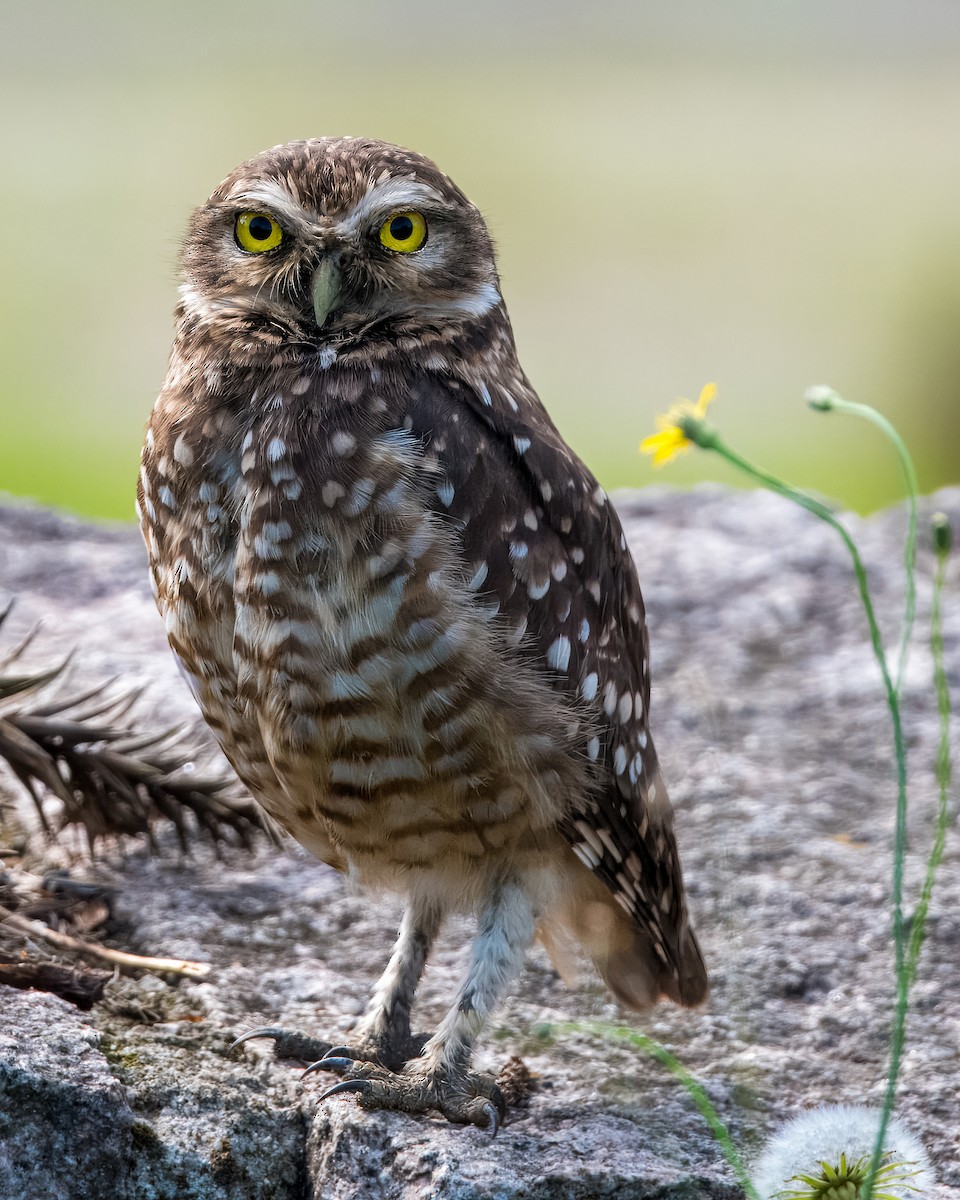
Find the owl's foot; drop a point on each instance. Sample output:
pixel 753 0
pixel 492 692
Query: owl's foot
pixel 390 1051
pixel 464 1097
pixel 384 1050
pixel 288 1043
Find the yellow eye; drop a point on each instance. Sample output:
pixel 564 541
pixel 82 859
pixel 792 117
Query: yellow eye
pixel 404 231
pixel 257 232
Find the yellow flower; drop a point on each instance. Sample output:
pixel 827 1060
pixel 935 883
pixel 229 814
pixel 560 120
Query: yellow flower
pixel 673 437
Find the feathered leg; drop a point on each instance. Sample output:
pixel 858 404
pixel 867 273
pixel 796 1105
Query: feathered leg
pixel 440 1079
pixel 382 1034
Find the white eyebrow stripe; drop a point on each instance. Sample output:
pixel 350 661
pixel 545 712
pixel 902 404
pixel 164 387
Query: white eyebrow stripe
pixel 273 197
pixel 391 194
pixel 208 308
pixel 474 304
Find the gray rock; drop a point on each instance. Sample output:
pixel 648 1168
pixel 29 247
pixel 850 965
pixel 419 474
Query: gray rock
pixel 58 1097
pixel 773 733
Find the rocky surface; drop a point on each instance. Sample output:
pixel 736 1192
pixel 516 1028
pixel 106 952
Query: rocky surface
pixel 769 717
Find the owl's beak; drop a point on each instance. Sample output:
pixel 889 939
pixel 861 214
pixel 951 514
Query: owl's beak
pixel 326 287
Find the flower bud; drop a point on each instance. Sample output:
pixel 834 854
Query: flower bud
pixel 820 397
pixel 942 533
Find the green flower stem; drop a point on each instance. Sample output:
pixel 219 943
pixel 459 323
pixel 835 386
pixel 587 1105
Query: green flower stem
pixel 942 549
pixel 827 400
pixel 708 439
pixel 633 1037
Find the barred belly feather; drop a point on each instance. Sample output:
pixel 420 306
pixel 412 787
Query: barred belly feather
pixel 369 682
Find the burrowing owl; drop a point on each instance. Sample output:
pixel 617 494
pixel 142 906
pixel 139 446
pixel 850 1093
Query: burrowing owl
pixel 405 607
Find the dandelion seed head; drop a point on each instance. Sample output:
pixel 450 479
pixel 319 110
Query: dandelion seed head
pixel 827 1134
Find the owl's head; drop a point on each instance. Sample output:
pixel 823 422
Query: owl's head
pixel 330 241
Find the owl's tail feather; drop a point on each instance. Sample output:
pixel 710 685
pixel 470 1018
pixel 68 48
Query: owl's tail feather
pixel 622 952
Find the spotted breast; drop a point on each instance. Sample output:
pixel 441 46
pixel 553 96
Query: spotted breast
pixel 362 686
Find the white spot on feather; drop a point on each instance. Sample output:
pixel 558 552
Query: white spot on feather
pixel 331 492
pixel 360 495
pixel 589 836
pixel 587 856
pixel 182 452
pixel 392 499
pixel 558 654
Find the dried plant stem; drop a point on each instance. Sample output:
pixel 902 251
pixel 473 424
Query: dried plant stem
pixel 128 962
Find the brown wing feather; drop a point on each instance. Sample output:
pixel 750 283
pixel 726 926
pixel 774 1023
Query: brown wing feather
pixel 542 542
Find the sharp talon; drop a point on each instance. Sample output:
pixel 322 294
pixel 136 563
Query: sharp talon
pixel 265 1031
pixel 328 1064
pixel 493 1119
pixel 345 1085
pixel 338 1052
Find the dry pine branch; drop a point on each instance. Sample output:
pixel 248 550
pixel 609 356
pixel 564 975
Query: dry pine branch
pixel 109 779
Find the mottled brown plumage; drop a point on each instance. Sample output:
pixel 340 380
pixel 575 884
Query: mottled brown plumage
pixel 406 608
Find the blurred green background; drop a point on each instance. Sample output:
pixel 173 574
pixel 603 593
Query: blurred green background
pixel 762 194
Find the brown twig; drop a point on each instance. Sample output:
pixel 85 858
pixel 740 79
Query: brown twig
pixel 125 961
pixel 79 985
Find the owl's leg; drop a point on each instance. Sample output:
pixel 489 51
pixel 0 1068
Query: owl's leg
pixel 440 1079
pixel 382 1034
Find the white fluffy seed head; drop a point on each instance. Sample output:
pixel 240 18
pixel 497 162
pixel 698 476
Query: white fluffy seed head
pixel 826 1133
